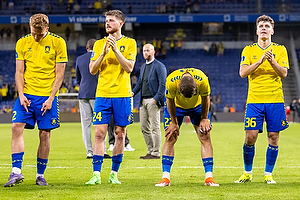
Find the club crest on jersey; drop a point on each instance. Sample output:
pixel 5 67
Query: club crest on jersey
pixel 47 49
pixel 122 48
pixel 53 121
pixel 283 123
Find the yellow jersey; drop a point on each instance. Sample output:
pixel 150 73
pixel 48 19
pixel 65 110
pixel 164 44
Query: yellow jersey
pixel 40 60
pixel 113 80
pixel 173 91
pixel 265 85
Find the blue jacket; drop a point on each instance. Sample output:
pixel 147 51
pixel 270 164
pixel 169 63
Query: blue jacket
pixel 87 82
pixel 156 80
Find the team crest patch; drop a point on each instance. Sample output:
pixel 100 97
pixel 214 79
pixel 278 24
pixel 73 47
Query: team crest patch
pixel 122 48
pixel 283 123
pixel 53 121
pixel 47 49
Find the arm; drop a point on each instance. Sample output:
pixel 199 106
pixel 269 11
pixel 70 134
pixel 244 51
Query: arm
pixel 246 70
pixel 173 128
pixel 280 71
pixel 161 72
pixel 78 75
pixel 95 65
pixel 205 122
pixel 19 76
pixel 59 70
pixel 127 65
pixel 138 85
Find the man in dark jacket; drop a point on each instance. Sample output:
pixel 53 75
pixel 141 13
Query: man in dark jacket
pixel 86 95
pixel 151 84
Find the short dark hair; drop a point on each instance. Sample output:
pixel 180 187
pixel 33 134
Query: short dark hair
pixel 90 43
pixel 117 13
pixel 265 18
pixel 187 86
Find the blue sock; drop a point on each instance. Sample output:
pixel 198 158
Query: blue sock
pixel 97 162
pixel 116 162
pixel 41 165
pixel 17 159
pixel 167 162
pixel 208 164
pixel 249 151
pixel 271 157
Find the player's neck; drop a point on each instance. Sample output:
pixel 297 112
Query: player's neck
pixel 117 35
pixel 264 43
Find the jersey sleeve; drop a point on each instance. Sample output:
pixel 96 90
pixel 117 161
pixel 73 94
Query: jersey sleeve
pixel 96 51
pixel 132 50
pixel 245 59
pixel 61 51
pixel 19 52
pixel 283 60
pixel 170 89
pixel 204 87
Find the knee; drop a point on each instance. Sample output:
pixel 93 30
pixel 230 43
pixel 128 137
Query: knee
pixel 273 138
pixel 172 140
pixel 99 135
pixel 17 128
pixel 44 135
pixel 120 135
pixel 204 138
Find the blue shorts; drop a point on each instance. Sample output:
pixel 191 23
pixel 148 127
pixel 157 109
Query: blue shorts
pixel 50 120
pixel 273 113
pixel 119 107
pixel 193 113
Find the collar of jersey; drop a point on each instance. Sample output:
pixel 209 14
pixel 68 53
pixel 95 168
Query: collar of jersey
pixel 264 48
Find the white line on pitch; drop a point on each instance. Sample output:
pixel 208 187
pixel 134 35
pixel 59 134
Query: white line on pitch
pixel 154 167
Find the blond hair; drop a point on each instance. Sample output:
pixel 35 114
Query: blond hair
pixel 39 20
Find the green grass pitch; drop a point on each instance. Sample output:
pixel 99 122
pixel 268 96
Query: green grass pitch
pixel 68 169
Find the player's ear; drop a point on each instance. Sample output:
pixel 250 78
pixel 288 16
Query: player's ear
pixel 121 23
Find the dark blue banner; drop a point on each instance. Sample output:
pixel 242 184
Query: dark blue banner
pixel 163 18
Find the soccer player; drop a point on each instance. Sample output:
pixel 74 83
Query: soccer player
pixel 114 58
pixel 187 94
pixel 265 63
pixel 40 64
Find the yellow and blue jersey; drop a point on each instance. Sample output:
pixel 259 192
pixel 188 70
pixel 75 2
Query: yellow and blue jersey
pixel 113 80
pixel 173 91
pixel 265 85
pixel 40 60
